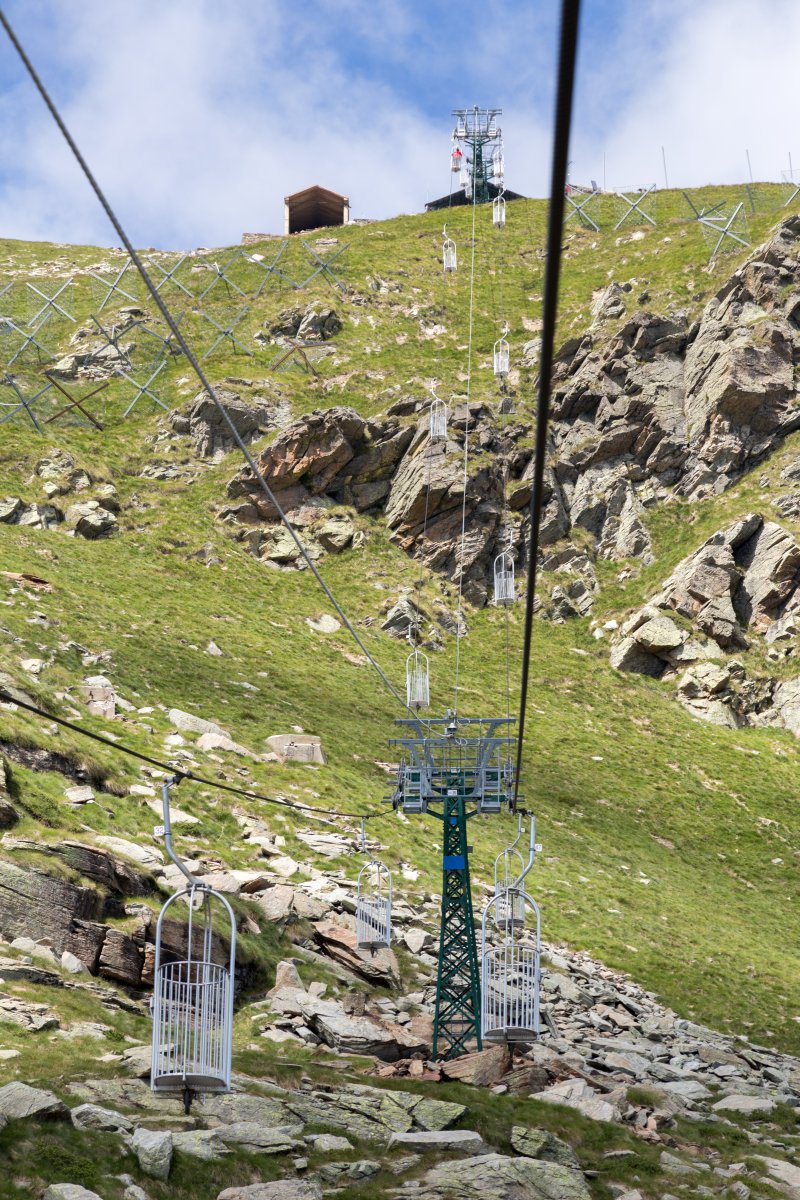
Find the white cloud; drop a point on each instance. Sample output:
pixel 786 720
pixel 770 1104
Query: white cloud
pixel 720 81
pixel 199 117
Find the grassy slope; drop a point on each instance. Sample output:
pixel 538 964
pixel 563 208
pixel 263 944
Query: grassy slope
pixel 693 918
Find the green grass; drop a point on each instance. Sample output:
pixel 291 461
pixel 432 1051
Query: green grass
pixel 670 847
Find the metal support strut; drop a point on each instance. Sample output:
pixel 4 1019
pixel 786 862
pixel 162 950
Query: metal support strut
pixel 458 1003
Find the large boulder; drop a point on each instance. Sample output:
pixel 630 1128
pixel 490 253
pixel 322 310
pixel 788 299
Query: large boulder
pixel 359 1034
pixel 339 942
pixel 18 1102
pixel 212 434
pixel 495 1177
pixel 153 1149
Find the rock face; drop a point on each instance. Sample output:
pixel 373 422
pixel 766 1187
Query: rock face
pixel 649 406
pixel 741 589
pixel 315 323
pixel 334 453
pixel 8 814
pixel 658 404
pixel 70 918
pixel 210 432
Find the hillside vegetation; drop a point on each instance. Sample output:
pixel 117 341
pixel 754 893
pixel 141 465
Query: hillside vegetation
pixel 670 845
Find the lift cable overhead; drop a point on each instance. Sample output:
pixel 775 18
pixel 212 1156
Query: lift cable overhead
pixel 171 769
pixel 190 356
pixel 570 11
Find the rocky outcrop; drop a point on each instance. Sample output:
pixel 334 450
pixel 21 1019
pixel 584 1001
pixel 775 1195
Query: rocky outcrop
pixel 315 323
pixel 495 1177
pixel 658 405
pixel 336 456
pixel 428 501
pixel 740 366
pixel 209 430
pixel 334 453
pixel 70 918
pixel 328 458
pixel 14 511
pixel 741 589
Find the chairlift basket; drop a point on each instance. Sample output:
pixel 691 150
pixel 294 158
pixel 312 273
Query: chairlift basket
pixel 504 589
pixel 501 358
pixel 437 429
pixel 374 907
pixel 192 1007
pixel 193 1004
pixel 510 971
pixel 499 212
pixel 449 256
pixel 417 680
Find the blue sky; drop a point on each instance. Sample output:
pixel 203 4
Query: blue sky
pixel 199 117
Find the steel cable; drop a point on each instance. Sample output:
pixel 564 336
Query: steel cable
pixel 570 11
pixel 171 769
pixel 181 341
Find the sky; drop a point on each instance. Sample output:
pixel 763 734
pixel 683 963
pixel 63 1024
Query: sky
pixel 198 117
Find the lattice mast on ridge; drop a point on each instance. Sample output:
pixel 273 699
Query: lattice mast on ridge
pixel 478 151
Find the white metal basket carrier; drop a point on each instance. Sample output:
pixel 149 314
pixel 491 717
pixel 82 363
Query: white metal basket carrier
pixel 192 996
pixel 373 902
pixel 510 958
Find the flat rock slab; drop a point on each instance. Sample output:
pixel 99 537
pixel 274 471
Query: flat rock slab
pixel 283 1189
pixel 460 1141
pixel 686 1090
pixel 785 1173
pixel 205 1144
pixel 574 1093
pixel 259 1138
pixel 255 1111
pixel 94 1116
pixel 128 1093
pixel 69 1191
pixel 19 1101
pixel 495 1177
pixel 748 1105
pixel 146 856
pixel 538 1143
pixel 482 1068
pixel 372 1113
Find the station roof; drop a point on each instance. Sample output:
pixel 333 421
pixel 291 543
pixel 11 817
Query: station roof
pixel 315 207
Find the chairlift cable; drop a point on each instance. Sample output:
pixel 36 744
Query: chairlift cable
pixel 181 773
pixel 459 616
pixel 501 257
pixel 570 10
pixel 190 357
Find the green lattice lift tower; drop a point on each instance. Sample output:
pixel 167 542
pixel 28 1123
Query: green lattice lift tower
pixel 476 160
pixel 452 769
